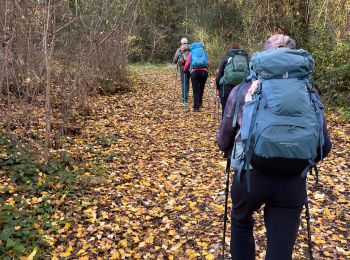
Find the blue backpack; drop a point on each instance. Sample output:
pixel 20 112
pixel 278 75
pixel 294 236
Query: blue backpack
pixel 282 125
pixel 199 58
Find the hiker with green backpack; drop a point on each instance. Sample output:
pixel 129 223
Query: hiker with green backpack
pixel 180 58
pixel 197 64
pixel 275 132
pixel 232 71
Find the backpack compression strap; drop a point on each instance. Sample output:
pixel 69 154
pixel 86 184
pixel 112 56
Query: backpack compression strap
pixel 244 160
pixel 258 96
pixel 319 116
pixel 235 111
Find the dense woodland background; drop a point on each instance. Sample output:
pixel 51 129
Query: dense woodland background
pixel 67 50
pixel 57 56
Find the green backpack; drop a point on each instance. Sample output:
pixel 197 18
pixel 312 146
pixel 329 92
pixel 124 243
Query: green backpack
pixel 237 67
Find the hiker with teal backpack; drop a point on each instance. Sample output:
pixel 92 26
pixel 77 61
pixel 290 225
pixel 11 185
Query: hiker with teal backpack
pixel 275 131
pixel 180 58
pixel 232 71
pixel 197 64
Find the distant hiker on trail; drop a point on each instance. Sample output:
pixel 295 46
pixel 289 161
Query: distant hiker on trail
pixel 232 70
pixel 274 126
pixel 180 57
pixel 197 63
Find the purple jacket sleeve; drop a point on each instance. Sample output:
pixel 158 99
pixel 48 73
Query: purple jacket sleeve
pixel 227 132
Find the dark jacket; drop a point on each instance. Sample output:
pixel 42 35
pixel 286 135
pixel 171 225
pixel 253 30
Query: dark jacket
pixel 183 50
pixel 220 73
pixel 222 66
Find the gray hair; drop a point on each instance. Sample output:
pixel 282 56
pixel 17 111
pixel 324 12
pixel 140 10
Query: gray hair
pixel 279 41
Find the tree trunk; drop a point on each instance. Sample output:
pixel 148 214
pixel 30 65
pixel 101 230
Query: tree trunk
pixel 48 84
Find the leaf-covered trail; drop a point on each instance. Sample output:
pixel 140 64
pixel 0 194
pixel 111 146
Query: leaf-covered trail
pixel 154 188
pixel 160 193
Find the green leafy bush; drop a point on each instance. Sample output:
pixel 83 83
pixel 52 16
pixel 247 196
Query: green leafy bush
pixel 332 73
pixel 22 222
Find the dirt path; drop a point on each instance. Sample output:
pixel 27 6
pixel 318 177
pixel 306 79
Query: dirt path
pixel 156 180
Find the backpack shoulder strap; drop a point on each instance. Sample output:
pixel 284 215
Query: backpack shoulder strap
pixel 238 102
pixel 257 97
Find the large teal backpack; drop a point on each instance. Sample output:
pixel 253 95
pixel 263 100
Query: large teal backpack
pixel 236 68
pixel 282 126
pixel 199 58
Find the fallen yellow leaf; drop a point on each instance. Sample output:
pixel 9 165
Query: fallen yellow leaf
pixel 149 239
pixel 172 232
pixel 115 255
pixel 176 247
pixel 209 257
pixel 32 254
pixel 123 243
pixel 67 226
pixel 68 252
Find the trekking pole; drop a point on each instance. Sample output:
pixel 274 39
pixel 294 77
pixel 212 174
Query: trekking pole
pixel 218 104
pixel 228 165
pixel 215 104
pixel 307 215
pixel 177 70
pixel 174 98
pixel 212 93
pixel 211 89
pixel 184 91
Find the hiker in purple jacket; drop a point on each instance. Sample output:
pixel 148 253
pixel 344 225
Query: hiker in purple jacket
pixel 283 195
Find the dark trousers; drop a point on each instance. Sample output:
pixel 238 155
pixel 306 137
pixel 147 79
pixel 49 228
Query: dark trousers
pixel 185 82
pixel 284 197
pixel 224 92
pixel 198 79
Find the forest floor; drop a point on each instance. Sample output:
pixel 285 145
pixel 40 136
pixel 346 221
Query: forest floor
pixel 153 184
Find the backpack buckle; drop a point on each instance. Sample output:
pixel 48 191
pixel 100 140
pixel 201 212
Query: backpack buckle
pixel 285 75
pixel 259 88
